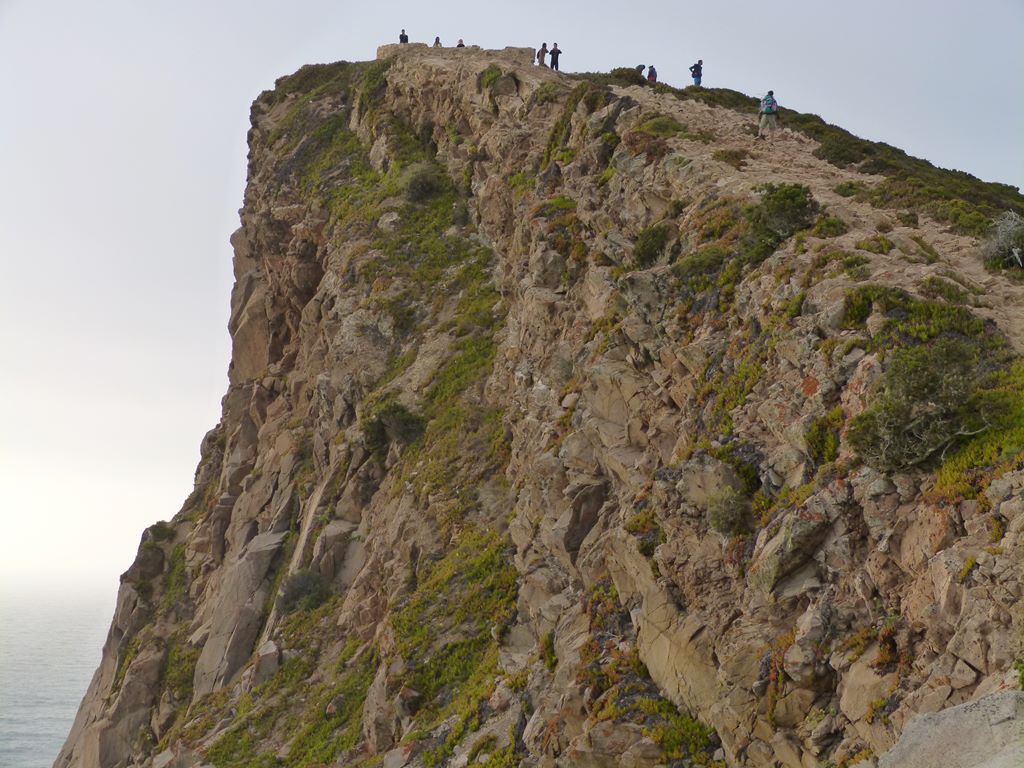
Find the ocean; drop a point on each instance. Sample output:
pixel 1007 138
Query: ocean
pixel 50 645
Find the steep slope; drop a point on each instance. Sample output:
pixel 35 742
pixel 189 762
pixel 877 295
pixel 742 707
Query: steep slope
pixel 568 426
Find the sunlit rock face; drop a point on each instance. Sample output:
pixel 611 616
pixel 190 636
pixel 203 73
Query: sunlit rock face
pixel 569 426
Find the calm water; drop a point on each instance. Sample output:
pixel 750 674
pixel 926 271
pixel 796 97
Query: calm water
pixel 49 648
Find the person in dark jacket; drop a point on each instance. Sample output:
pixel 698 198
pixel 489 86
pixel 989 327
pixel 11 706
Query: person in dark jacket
pixel 555 53
pixel 652 74
pixel 697 70
pixel 640 69
pixel 403 38
pixel 460 44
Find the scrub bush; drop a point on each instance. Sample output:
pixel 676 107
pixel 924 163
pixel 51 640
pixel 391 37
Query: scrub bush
pixel 927 403
pixel 305 590
pixel 649 244
pixel 1005 246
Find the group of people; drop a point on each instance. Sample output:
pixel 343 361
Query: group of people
pixel 696 71
pixel 554 53
pixel 404 38
pixel 768 114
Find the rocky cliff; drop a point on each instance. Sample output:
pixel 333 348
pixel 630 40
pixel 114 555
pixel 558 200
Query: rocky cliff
pixel 569 426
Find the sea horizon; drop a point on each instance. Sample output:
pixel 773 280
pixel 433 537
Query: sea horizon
pixel 51 641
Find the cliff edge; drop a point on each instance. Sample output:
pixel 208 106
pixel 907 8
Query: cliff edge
pixel 570 426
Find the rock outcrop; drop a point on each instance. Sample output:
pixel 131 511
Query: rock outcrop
pixel 564 429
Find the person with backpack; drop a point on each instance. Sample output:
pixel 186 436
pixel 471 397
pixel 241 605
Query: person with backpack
pixel 652 74
pixel 769 113
pixel 696 70
pixel 541 53
pixel 555 53
pixel 403 38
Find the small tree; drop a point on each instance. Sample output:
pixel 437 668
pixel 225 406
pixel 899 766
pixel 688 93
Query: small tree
pixel 729 512
pixel 928 402
pixel 1005 246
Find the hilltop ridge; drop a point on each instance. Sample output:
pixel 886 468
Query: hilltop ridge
pixel 568 426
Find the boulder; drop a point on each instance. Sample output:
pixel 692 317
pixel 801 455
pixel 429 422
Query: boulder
pixel 988 733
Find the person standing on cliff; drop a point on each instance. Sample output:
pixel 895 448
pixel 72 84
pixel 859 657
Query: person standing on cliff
pixel 541 53
pixel 437 42
pixel 555 53
pixel 652 74
pixel 403 38
pixel 460 44
pixel 769 115
pixel 696 70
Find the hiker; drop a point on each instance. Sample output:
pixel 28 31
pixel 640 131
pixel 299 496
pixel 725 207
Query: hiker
pixel 652 74
pixel 769 115
pixel 640 69
pixel 403 38
pixel 696 71
pixel 555 53
pixel 437 42
pixel 460 44
pixel 541 53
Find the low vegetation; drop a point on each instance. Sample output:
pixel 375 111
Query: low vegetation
pixel 949 381
pixel 1004 248
pixel 304 590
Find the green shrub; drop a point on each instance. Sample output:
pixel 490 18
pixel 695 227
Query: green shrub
pixel 521 184
pixel 784 209
pixel 374 83
pixel 179 668
pixel 161 531
pixel 547 93
pixel 696 268
pixel 876 244
pixel 304 590
pixel 627 76
pixel 650 244
pixel 175 581
pixel 737 158
pixel 829 226
pixel 848 188
pixel 937 288
pixel 729 512
pixel 592 96
pixel 554 206
pixel 662 126
pixel 926 249
pixel 840 150
pixel 855 265
pixel 822 437
pixel 927 403
pixel 489 76
pixel 966 470
pixel 547 651
pixel 423 181
pixel 1004 248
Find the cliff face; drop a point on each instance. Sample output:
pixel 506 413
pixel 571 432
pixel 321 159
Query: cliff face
pixel 568 426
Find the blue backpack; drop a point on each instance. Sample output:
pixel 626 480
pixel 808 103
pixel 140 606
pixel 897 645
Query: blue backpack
pixel 768 105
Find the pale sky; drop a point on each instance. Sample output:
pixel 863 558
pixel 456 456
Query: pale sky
pixel 122 165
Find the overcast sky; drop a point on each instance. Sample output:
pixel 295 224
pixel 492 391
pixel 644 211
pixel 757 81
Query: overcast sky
pixel 122 165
